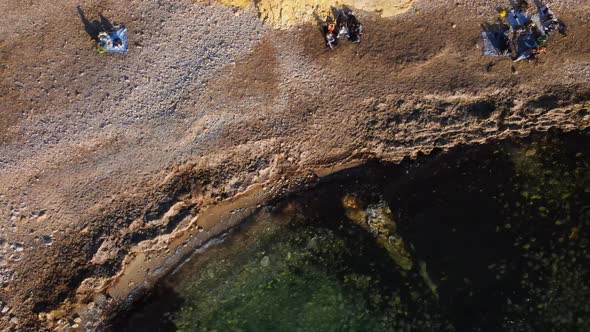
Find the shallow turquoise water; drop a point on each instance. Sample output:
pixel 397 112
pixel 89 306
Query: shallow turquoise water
pixel 489 238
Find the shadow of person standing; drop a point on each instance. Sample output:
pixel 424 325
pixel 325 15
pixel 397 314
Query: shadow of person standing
pixel 321 24
pixel 93 28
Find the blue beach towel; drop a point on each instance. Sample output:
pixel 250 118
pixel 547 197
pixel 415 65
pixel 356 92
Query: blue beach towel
pixel 495 43
pixel 107 41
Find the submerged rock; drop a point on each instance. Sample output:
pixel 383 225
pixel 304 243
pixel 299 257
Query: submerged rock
pixel 353 209
pixel 265 261
pixel 378 220
pixel 423 271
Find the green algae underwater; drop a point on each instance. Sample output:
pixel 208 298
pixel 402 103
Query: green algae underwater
pixel 491 237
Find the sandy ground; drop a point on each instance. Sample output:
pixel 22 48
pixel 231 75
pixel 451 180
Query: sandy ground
pixel 283 14
pixel 95 149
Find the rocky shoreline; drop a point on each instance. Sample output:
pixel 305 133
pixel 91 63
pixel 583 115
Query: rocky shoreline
pixel 506 194
pixel 97 301
pixel 109 159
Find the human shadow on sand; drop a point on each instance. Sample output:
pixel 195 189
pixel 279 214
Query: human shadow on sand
pixel 93 28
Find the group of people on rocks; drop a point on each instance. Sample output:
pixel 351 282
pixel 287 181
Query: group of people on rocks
pixel 525 37
pixel 346 26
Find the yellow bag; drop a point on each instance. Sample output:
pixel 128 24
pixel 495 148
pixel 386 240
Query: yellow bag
pixel 101 49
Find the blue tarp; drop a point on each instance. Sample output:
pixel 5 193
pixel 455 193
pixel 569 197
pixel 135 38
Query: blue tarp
pixel 545 13
pixel 108 41
pixel 516 18
pixel 525 40
pixel 524 45
pixel 538 24
pixel 495 43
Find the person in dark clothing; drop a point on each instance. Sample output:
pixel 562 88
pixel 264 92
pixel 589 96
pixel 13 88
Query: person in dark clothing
pixel 355 29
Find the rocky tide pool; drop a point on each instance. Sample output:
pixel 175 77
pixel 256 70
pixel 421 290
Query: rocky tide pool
pixel 481 238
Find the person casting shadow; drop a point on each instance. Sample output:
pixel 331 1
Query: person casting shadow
pixel 93 28
pixel 321 25
pixel 106 24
